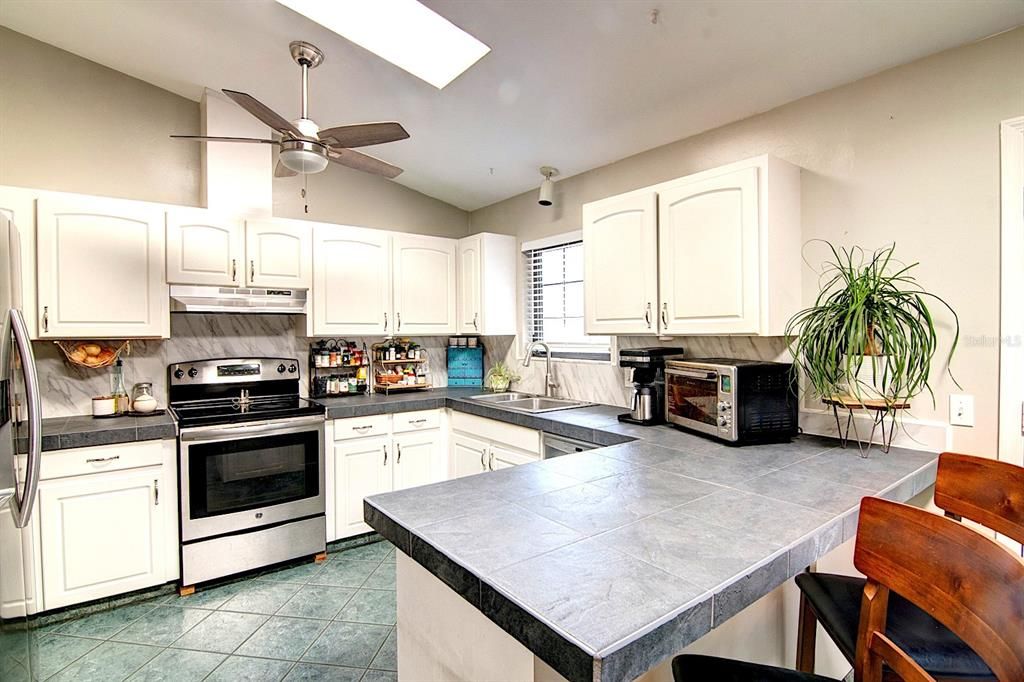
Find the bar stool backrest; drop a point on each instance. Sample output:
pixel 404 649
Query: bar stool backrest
pixel 985 491
pixel 965 580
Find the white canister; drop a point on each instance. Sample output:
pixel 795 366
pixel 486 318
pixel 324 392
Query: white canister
pixel 103 406
pixel 144 403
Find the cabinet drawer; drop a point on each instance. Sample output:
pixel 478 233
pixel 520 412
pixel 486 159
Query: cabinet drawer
pixel 359 427
pixel 495 431
pixel 420 420
pixel 79 461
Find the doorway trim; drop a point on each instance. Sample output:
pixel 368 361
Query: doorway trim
pixel 1011 347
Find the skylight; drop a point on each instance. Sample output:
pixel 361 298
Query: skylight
pixel 404 32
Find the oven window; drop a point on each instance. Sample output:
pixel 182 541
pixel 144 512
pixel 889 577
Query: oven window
pixel 233 476
pixel 694 399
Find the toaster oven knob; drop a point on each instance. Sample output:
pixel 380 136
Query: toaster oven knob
pixel 280 368
pixel 178 373
pixel 723 421
pixel 192 372
pixel 724 406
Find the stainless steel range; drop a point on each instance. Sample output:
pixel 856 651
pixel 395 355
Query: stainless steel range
pixel 251 465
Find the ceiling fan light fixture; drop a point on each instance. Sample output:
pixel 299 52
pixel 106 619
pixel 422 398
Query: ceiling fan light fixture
pixel 406 33
pixel 303 157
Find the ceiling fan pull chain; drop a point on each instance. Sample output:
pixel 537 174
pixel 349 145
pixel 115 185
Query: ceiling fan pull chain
pixel 305 181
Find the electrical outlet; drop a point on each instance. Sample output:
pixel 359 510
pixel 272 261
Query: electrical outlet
pixel 961 410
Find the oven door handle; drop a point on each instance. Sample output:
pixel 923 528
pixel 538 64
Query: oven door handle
pixel 252 429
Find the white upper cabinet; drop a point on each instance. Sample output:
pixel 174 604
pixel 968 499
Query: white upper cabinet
pixel 424 276
pixel 100 269
pixel 487 284
pixel 717 252
pixel 620 261
pixel 203 248
pixel 709 266
pixel 351 281
pixel 279 254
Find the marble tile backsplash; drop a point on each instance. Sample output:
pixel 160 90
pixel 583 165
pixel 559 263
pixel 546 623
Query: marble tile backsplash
pixel 68 390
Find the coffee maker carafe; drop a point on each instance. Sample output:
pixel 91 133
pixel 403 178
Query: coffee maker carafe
pixel 647 406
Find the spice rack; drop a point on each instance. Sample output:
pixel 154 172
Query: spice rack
pixel 338 368
pixel 398 366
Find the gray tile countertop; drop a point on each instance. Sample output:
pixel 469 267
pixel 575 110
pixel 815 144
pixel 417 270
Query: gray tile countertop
pixel 606 562
pixel 61 433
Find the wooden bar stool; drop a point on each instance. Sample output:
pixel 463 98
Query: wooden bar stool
pixel 983 490
pixel 965 580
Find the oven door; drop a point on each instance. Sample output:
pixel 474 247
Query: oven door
pixel 251 475
pixel 692 401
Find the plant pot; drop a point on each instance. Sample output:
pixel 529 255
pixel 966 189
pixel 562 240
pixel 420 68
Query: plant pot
pixel 499 385
pixel 867 382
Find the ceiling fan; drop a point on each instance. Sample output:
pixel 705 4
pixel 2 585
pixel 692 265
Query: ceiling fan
pixel 304 147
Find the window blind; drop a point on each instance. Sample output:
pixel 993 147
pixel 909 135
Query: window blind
pixel 554 303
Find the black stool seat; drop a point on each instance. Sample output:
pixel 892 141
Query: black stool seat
pixel 836 601
pixel 693 668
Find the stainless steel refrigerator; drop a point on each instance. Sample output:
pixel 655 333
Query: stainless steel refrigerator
pixel 20 456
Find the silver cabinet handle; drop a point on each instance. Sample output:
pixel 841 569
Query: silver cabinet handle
pixel 156 493
pixel 398 322
pixel 92 460
pixel 385 321
pixel 418 421
pixel 398 460
pixel 362 429
pixel 46 318
pixel 490 462
pixel 647 315
pixel 252 271
pixel 483 454
pixel 21 508
pixel 234 269
pixel 385 455
pixel 475 325
pixel 664 314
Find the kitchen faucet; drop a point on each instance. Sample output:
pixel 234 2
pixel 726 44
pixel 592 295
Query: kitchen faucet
pixel 549 385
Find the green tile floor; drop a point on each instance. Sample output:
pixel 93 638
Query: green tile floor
pixel 330 621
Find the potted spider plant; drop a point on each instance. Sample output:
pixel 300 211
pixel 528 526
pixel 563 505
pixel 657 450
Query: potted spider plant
pixel 870 333
pixel 500 377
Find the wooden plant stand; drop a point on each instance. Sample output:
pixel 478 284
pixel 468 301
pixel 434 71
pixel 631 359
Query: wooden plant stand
pixel 881 409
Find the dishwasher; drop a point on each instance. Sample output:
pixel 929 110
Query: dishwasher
pixel 556 446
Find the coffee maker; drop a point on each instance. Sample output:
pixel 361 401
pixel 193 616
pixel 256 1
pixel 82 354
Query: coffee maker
pixel 648 364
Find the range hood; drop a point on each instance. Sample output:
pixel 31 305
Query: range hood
pixel 192 299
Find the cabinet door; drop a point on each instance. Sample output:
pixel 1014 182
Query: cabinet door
pixel 362 468
pixel 419 459
pixel 203 248
pixel 279 254
pixel 503 458
pixel 709 263
pixel 620 261
pixel 424 284
pixel 100 269
pixel 469 285
pixel 469 456
pixel 20 570
pixel 352 281
pixel 102 534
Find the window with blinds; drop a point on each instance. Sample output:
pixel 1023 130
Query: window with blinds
pixel 554 303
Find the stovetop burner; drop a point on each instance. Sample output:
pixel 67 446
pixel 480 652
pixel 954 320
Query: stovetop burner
pixel 207 392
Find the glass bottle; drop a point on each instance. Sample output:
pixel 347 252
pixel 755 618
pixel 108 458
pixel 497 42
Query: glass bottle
pixel 117 388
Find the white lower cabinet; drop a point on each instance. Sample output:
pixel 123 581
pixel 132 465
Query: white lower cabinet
pixel 361 466
pixel 469 455
pixel 502 458
pixel 106 532
pixel 490 445
pixel 419 459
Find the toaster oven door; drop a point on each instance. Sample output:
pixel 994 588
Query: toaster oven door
pixel 692 400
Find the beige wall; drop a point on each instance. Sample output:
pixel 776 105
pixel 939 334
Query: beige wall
pixel 72 125
pixel 909 155
pixel 69 124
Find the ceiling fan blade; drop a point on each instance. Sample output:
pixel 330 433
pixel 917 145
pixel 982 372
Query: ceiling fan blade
pixel 264 113
pixel 283 171
pixel 363 162
pixel 363 134
pixel 209 138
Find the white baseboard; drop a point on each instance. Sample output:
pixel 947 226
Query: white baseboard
pixel 916 434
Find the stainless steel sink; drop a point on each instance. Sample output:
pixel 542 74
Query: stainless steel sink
pixel 501 397
pixel 535 405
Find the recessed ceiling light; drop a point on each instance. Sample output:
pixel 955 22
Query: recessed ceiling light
pixel 404 32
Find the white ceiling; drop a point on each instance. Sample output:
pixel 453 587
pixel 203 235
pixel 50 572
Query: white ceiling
pixel 571 83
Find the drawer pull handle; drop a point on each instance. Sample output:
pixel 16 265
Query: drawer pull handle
pixel 361 429
pixel 418 421
pixel 93 460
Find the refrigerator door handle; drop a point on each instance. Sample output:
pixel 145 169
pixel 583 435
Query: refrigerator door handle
pixel 22 507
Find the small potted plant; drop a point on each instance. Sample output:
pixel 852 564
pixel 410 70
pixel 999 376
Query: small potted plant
pixel 500 377
pixel 870 334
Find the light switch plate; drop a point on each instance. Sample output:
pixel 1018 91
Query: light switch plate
pixel 961 409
